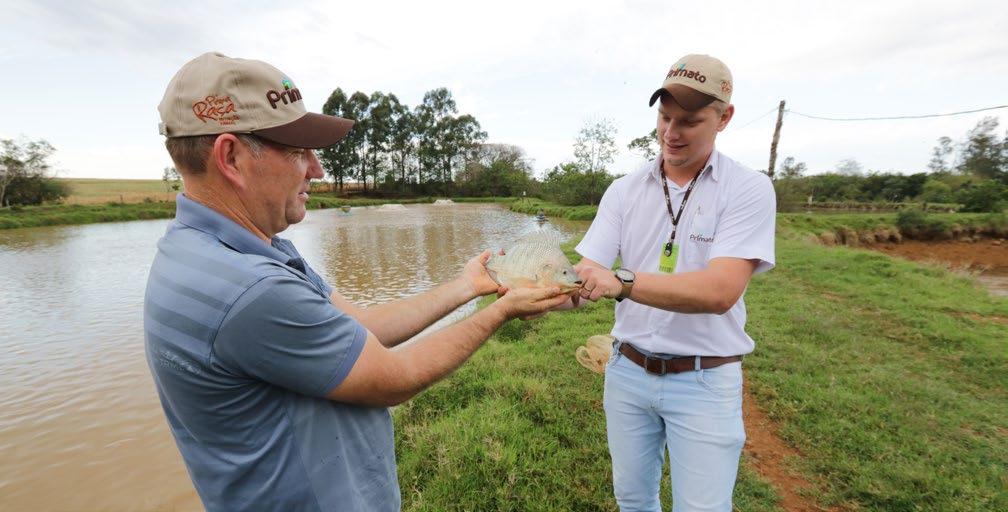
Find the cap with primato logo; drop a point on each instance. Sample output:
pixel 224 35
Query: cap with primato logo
pixel 694 81
pixel 215 94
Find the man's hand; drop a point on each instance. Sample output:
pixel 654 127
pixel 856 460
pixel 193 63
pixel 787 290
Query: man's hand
pixel 477 278
pixel 597 282
pixel 528 303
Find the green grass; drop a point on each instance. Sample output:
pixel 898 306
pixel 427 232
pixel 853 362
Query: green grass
pixel 815 224
pixel 52 215
pixel 890 377
pixel 114 211
pixel 532 206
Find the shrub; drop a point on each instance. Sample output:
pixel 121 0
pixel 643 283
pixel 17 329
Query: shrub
pixel 914 223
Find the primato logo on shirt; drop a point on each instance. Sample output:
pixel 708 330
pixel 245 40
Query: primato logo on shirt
pixel 685 73
pixel 701 238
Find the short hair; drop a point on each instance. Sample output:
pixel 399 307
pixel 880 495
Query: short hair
pixel 190 153
pixel 719 106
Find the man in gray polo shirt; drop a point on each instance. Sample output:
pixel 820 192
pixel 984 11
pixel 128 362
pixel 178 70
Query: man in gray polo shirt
pixel 275 387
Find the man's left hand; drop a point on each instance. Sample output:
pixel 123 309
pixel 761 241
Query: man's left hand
pixel 597 282
pixel 476 277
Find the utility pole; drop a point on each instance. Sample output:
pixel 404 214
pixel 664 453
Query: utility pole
pixel 776 137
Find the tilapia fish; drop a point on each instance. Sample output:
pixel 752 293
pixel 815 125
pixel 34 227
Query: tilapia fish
pixel 534 261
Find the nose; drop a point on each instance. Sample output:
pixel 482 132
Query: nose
pixel 314 166
pixel 578 281
pixel 671 133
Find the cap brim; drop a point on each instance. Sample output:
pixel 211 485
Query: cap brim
pixel 311 131
pixel 687 97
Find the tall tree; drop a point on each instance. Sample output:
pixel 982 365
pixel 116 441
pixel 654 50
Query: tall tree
pixel 22 162
pixel 939 154
pixel 849 167
pixel 461 135
pixel 646 146
pixel 434 117
pixel 983 154
pixel 402 140
pixel 359 106
pixel 340 159
pixel 792 169
pixel 595 146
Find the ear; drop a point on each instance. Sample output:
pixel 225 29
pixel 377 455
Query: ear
pixel 230 156
pixel 726 117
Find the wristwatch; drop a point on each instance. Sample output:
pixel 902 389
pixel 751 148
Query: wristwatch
pixel 627 278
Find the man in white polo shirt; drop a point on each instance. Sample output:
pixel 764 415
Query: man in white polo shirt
pixel 690 228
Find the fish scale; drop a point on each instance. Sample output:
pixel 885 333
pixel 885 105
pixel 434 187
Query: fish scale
pixel 534 260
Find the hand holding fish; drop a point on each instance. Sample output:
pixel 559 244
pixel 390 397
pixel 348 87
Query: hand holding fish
pixel 476 277
pixel 530 302
pixel 597 282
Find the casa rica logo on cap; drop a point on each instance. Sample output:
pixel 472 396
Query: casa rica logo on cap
pixel 289 95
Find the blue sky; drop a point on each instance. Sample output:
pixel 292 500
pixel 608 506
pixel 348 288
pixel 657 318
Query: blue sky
pixel 87 76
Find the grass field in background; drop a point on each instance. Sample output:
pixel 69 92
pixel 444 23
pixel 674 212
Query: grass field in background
pixel 889 376
pixel 101 191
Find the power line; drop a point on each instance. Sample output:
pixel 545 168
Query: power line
pixel 893 117
pixel 768 112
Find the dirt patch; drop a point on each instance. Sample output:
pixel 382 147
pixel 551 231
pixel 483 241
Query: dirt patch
pixel 989 257
pixel 981 318
pixel 767 451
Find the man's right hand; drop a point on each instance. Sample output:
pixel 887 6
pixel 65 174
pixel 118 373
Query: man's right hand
pixel 529 302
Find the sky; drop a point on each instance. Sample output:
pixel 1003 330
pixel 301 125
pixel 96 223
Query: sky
pixel 87 76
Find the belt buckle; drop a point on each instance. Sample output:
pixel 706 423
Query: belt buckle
pixel 648 370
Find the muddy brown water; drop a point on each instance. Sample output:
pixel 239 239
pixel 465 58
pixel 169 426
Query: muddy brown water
pixel 80 424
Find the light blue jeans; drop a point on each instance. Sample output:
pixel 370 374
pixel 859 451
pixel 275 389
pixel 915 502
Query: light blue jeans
pixel 697 415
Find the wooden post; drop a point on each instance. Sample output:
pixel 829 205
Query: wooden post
pixel 776 137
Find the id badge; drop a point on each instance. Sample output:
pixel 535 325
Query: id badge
pixel 669 254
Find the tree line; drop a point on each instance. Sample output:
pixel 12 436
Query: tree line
pixel 971 173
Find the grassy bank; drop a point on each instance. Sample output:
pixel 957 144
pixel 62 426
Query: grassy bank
pixel 65 214
pixel 890 378
pixel 866 229
pixel 533 206
pixel 54 215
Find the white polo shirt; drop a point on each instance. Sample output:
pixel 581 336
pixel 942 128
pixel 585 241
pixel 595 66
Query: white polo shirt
pixel 730 213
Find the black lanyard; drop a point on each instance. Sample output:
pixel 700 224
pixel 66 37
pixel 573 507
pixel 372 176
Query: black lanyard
pixel 668 202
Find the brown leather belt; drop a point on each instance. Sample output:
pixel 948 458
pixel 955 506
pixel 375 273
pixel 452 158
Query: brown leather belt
pixel 659 366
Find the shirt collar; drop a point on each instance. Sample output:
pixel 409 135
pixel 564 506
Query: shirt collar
pixel 712 166
pixel 200 217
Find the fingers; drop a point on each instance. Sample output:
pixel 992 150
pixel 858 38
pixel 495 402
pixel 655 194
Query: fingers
pixel 538 294
pixel 484 257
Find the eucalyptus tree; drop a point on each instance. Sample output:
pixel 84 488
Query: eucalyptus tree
pixel 434 116
pixel 402 142
pixel 340 159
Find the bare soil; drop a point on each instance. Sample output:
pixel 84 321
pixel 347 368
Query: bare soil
pixel 989 257
pixel 769 453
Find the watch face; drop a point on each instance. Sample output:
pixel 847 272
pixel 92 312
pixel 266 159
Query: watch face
pixel 625 275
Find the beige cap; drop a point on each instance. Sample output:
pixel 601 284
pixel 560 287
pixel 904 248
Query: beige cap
pixel 214 94
pixel 694 81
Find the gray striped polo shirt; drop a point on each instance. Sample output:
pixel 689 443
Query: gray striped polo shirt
pixel 244 345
